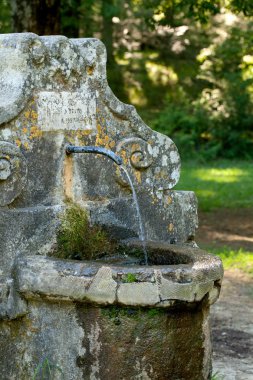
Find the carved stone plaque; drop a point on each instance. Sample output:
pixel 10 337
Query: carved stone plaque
pixel 66 111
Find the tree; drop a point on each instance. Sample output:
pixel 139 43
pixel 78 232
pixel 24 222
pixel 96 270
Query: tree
pixel 75 17
pixel 38 16
pixel 5 17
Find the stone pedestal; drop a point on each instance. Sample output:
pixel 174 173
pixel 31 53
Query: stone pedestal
pixel 104 343
pixel 96 320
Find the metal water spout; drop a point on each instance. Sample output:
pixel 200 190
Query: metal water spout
pixel 118 160
pixel 94 149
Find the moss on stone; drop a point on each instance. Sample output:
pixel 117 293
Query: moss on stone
pixel 129 278
pixel 77 239
pixel 154 312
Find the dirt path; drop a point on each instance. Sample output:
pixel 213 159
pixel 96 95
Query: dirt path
pixel 233 228
pixel 232 314
pixel 232 328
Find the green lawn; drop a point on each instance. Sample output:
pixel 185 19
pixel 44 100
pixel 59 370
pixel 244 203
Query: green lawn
pixel 235 259
pixel 217 184
pixel 222 184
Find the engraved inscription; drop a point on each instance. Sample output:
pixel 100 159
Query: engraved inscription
pixel 66 111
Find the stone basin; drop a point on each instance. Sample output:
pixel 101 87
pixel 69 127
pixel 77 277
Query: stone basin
pixel 176 273
pixel 131 321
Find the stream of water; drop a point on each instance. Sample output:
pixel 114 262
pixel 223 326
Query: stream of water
pixel 141 227
pixel 118 160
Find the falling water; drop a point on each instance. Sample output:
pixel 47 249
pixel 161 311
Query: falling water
pixel 141 227
pixel 118 160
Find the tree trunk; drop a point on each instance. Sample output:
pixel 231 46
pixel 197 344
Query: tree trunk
pixel 107 28
pixel 38 16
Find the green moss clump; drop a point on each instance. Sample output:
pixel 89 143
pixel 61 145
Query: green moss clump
pixel 155 312
pixel 130 277
pixel 77 239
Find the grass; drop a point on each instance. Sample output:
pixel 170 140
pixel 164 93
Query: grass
pixel 46 370
pixel 233 259
pixel 130 277
pixel 217 376
pixel 223 183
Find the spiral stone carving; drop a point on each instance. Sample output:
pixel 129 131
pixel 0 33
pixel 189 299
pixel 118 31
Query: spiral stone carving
pixel 135 153
pixel 13 172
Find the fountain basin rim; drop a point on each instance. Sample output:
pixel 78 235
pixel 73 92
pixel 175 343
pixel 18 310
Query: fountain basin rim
pixel 40 277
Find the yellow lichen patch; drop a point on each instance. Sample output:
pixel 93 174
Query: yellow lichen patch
pixel 104 140
pixel 99 140
pixel 155 200
pixel 24 130
pixel 82 133
pixel 86 132
pixel 135 147
pixel 27 114
pixel 35 132
pixel 136 158
pixel 170 227
pixel 26 145
pixel 34 115
pixel 137 176
pixel 123 155
pixel 99 129
pixel 78 134
pixel 68 177
pixel 17 164
pixel 89 70
pixel 169 200
pixel 18 142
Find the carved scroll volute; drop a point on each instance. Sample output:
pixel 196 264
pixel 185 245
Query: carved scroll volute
pixel 13 172
pixel 154 165
pixel 135 153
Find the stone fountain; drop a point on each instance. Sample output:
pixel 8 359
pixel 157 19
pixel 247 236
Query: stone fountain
pixel 93 319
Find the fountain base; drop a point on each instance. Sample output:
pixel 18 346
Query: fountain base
pixel 114 321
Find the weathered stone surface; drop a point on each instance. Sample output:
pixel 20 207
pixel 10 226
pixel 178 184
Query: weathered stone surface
pixel 103 287
pixel 115 216
pixel 24 231
pixel 51 331
pixel 105 284
pixel 58 94
pixel 96 343
pixel 143 344
pixel 138 294
pixel 12 306
pixel 13 172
